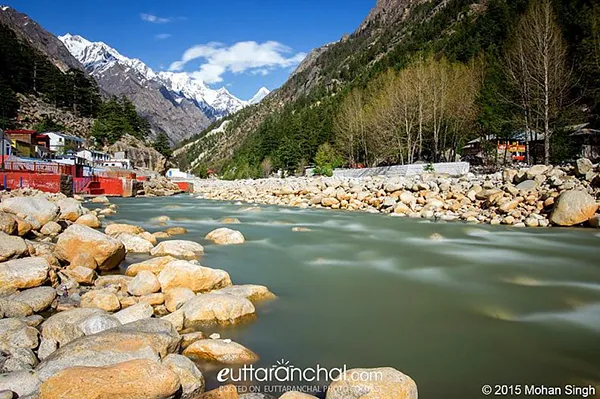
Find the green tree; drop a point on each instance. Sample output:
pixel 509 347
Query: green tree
pixel 161 144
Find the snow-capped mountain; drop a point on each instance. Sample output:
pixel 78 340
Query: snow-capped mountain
pixel 259 96
pixel 97 57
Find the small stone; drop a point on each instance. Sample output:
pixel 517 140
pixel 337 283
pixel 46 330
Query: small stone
pixel 144 283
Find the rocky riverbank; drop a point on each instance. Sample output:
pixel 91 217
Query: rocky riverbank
pixel 539 196
pixel 73 324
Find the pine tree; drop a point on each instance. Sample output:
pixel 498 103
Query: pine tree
pixel 161 144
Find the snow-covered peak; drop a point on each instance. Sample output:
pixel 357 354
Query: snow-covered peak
pixel 4 8
pixel 99 56
pixel 259 96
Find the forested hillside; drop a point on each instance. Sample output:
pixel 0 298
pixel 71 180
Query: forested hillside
pixel 416 84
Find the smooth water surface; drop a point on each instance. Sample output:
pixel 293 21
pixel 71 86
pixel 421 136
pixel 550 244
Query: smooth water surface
pixel 480 305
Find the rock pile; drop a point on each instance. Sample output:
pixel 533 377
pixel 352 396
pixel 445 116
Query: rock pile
pixel 159 186
pixel 67 327
pixel 536 196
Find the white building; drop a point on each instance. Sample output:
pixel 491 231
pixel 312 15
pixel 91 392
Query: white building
pixel 175 173
pixel 118 163
pixel 60 141
pixel 94 157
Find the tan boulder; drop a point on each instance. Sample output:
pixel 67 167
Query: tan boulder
pixel 23 273
pixel 158 298
pixel 134 243
pixel 222 392
pixel 8 223
pixel 134 379
pixel 175 231
pixel 38 299
pixel 180 249
pixel 51 229
pixel 296 395
pixel 573 207
pixel 176 297
pixel 378 383
pixel 222 351
pixel 191 379
pixel 38 209
pixel 70 209
pixel 225 236
pixel 64 327
pixel 144 283
pixel 116 228
pixel 198 278
pixel 216 308
pixel 89 220
pixel 136 312
pixel 82 275
pixel 229 220
pixel 107 251
pixel 101 199
pixel 100 299
pixel 149 237
pixel 12 247
pixel 252 292
pixel 154 265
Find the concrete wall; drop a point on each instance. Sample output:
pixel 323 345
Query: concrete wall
pixel 450 168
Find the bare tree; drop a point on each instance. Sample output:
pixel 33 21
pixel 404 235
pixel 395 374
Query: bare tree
pixel 537 63
pixel 349 127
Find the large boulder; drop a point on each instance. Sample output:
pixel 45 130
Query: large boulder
pixel 64 327
pixel 583 166
pixel 180 249
pixel 39 210
pixel 134 243
pixel 134 379
pixel 225 236
pixel 8 223
pixel 176 297
pixel 70 209
pixel 38 299
pixel 379 383
pixel 220 351
pixel 195 277
pixel 51 229
pixel 573 207
pixel 251 292
pixel 23 273
pixel 23 383
pixel 16 333
pixel 102 299
pixel 154 265
pixel 12 247
pixel 89 220
pixel 78 239
pixel 216 308
pixel 117 228
pixel 143 284
pixel 144 339
pixel 136 312
pixel 191 379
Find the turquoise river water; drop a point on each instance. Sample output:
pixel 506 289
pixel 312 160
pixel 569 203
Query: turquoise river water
pixel 482 305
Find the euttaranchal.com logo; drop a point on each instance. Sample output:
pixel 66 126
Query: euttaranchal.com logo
pixel 284 371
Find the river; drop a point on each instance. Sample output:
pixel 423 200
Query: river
pixel 453 305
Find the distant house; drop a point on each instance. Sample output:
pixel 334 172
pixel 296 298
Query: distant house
pixel 23 142
pixel 60 142
pixel 94 157
pixel 118 163
pixel 175 173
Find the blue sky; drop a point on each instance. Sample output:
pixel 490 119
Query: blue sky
pixel 241 44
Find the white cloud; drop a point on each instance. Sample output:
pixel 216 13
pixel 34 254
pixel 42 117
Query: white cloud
pixel 162 36
pixel 154 19
pixel 255 58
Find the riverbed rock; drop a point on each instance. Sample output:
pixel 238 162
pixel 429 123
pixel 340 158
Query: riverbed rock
pixel 15 332
pixel 149 237
pixel 175 231
pixel 216 308
pixel 180 249
pixel 229 220
pixel 23 383
pixel 39 210
pixel 154 265
pixel 136 312
pixel 583 166
pixel 191 379
pixel 8 223
pixel 134 243
pixel 573 207
pixel 107 251
pixel 380 383
pixel 38 299
pixel 23 273
pixel 143 283
pixel 176 297
pixel 101 299
pixel 117 228
pixel 70 209
pixel 225 236
pixel 221 351
pixel 98 322
pixel 133 379
pixel 64 327
pixel 101 199
pixel 12 247
pixel 144 339
pixel 89 220
pixel 197 278
pixel 51 229
pixel 82 275
pixel 11 308
pixel 252 292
